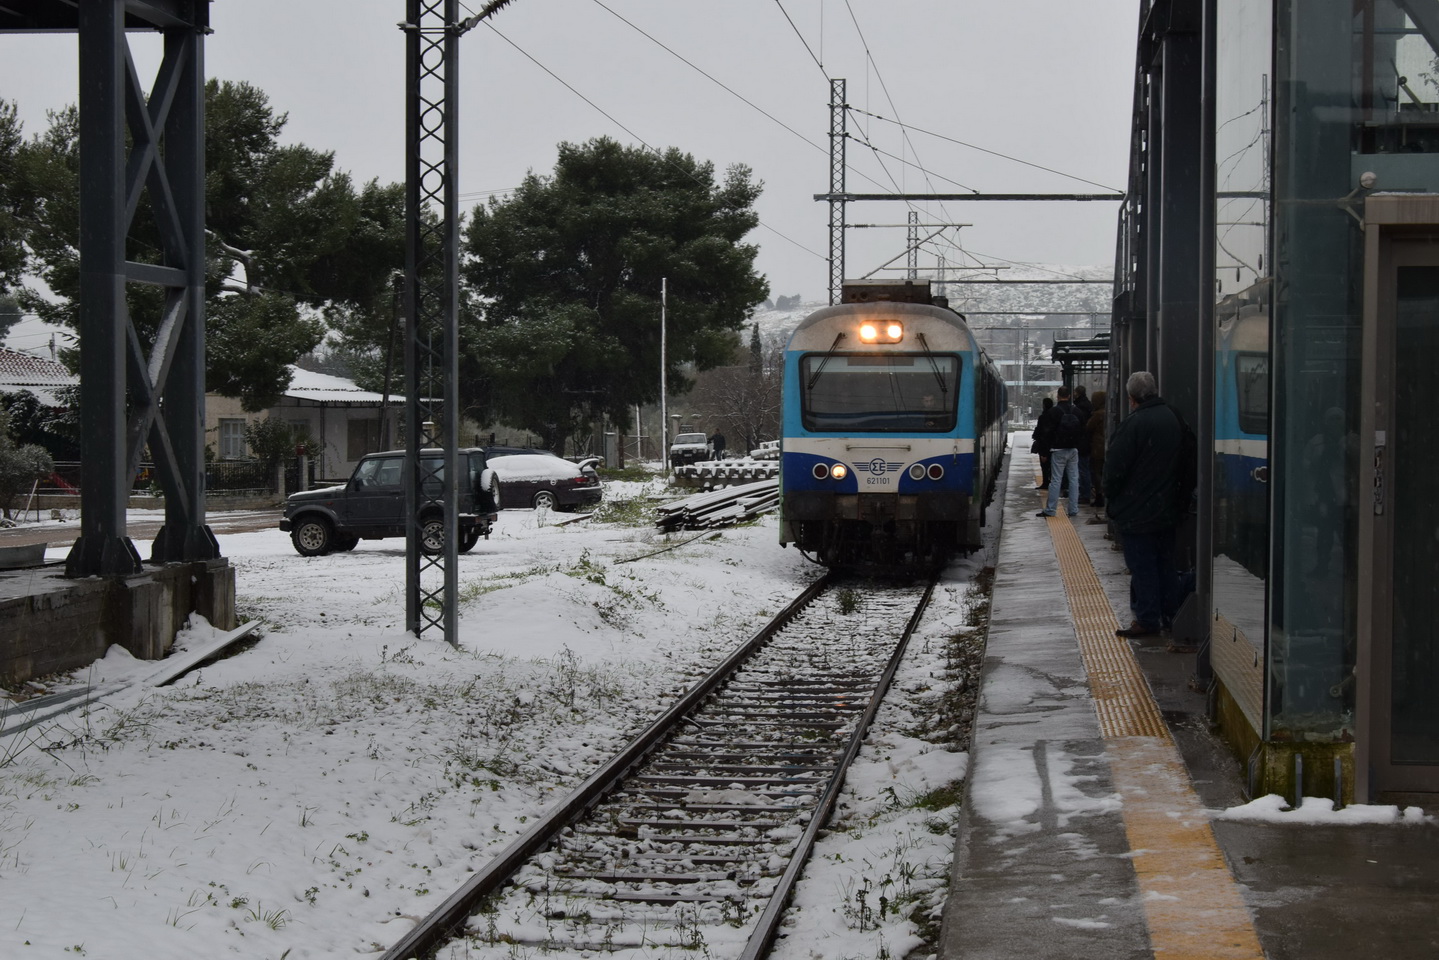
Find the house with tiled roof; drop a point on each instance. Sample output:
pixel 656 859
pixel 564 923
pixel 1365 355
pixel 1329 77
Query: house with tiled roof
pixel 43 377
pixel 345 419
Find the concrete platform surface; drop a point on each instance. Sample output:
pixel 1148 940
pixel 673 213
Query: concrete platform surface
pixel 1045 859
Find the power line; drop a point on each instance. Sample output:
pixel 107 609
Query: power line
pixel 995 153
pixel 801 37
pixel 626 129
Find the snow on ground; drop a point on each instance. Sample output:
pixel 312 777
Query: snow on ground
pixel 316 793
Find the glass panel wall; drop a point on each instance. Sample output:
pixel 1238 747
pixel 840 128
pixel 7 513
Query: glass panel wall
pixel 1355 92
pixel 1243 267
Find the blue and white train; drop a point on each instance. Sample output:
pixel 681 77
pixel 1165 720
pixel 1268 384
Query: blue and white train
pixel 894 430
pixel 1241 434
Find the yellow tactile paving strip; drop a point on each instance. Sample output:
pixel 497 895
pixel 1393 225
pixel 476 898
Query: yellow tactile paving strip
pixel 1191 903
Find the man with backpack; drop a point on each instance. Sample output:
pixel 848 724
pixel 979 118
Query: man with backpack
pixel 1145 485
pixel 1068 436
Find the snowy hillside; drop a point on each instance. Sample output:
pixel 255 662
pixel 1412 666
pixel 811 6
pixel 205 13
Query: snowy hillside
pixel 993 301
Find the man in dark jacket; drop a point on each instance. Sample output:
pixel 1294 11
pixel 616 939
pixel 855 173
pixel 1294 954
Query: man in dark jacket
pixel 1067 437
pixel 1140 487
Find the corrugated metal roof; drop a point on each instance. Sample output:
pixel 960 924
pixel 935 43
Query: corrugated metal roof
pixel 324 388
pixel 43 377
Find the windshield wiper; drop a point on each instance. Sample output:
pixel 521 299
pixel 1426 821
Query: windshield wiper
pixel 814 377
pixel 934 365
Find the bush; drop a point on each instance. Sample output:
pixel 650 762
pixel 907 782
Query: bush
pixel 20 467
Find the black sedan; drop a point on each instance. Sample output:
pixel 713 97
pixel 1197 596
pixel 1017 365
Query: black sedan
pixel 538 480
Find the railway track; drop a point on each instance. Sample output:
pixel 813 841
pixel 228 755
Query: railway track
pixel 696 834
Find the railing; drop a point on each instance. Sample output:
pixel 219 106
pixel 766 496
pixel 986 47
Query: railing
pixel 221 476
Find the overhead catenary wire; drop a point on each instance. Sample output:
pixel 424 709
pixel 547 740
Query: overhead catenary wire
pixel 994 153
pixel 646 144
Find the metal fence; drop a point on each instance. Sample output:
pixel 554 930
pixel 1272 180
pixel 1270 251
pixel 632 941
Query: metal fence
pixel 221 476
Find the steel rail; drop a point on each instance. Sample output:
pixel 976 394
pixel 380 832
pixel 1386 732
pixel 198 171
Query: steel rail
pixel 459 906
pixel 767 928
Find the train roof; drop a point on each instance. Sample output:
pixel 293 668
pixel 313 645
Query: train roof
pixel 1248 331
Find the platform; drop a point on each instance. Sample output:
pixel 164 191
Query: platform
pixel 1089 826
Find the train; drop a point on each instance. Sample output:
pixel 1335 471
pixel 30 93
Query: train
pixel 894 423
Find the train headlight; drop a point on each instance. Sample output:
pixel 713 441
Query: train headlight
pixel 839 471
pixel 820 471
pixel 887 331
pixel 935 471
pixel 916 472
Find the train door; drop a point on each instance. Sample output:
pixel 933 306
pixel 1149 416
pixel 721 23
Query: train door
pixel 1398 750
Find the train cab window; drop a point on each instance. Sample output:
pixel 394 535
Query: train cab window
pixel 880 393
pixel 1252 383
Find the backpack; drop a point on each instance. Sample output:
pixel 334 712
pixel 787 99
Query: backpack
pixel 1069 431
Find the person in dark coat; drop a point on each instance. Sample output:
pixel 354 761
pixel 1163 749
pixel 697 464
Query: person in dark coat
pixel 1086 410
pixel 1140 487
pixel 1095 428
pixel 1068 436
pixel 1043 432
pixel 717 442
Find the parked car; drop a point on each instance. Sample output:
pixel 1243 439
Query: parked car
pixel 587 463
pixel 534 479
pixel 690 448
pixel 371 505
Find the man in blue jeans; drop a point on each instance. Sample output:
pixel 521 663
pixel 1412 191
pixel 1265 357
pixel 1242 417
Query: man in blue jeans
pixel 1067 432
pixel 1140 485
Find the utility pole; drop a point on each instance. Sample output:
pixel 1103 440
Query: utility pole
pixel 836 188
pixel 664 389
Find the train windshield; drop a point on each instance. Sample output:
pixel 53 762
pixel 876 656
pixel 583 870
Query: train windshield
pixel 1252 382
pixel 898 392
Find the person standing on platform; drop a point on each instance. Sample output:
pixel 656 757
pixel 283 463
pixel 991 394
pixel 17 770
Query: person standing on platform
pixel 1043 433
pixel 1140 482
pixel 1069 435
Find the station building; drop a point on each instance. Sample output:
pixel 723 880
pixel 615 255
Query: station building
pixel 1278 270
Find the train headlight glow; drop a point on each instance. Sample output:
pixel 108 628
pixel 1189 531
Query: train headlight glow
pixel 839 471
pixel 887 331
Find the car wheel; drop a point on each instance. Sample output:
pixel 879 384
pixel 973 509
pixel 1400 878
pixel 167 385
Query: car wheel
pixel 468 539
pixel 346 541
pixel 546 500
pixel 313 537
pixel 432 535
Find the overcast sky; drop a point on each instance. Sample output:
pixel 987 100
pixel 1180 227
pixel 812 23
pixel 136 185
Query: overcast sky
pixel 1048 82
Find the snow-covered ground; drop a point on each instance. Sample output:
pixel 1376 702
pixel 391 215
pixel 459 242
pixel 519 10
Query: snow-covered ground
pixel 314 794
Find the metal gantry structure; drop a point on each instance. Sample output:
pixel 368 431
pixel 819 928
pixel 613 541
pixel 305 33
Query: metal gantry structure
pixel 837 136
pixel 432 31
pixel 135 394
pixel 837 197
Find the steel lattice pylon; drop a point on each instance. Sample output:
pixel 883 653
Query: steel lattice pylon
pixel 138 396
pixel 432 312
pixel 837 108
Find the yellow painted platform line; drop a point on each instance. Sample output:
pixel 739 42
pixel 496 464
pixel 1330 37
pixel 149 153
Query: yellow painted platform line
pixel 1191 903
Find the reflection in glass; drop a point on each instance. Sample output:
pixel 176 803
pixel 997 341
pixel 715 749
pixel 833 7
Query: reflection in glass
pixel 1241 448
pixel 1243 233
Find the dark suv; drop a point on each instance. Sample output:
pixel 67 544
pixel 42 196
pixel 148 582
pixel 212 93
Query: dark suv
pixel 371 505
